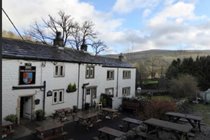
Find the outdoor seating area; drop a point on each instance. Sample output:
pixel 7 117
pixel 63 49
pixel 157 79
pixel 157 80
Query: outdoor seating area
pixel 6 129
pixel 195 121
pixel 94 126
pixel 153 128
pixel 50 131
pixel 62 113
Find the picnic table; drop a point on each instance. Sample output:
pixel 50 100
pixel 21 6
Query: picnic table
pixel 110 132
pixel 88 119
pixel 50 131
pixel 192 119
pixel 63 112
pixel 129 121
pixel 179 130
pixel 112 113
pixel 6 129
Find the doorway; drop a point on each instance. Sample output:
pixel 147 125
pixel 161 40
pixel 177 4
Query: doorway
pixel 91 93
pixel 26 104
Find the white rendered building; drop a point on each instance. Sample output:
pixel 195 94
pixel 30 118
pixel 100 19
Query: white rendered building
pixel 36 76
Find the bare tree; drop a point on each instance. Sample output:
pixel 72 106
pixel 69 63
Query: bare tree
pixel 46 31
pixel 98 47
pixel 74 34
pixel 82 35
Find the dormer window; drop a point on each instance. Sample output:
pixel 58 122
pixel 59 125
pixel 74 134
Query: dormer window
pixel 59 71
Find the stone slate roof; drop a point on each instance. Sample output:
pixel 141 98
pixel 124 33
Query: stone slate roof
pixel 19 49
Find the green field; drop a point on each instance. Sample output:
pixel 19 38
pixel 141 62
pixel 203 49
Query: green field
pixel 203 110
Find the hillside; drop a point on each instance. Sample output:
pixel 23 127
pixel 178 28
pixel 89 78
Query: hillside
pixel 157 61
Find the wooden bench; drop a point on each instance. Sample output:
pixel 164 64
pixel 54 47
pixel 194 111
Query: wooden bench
pixel 146 136
pixel 52 137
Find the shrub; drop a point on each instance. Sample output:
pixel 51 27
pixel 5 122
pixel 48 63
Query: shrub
pixel 158 108
pixel 71 88
pixel 12 118
pixel 183 86
pixel 40 115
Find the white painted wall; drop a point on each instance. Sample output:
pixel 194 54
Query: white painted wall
pixel 55 83
pixel 10 77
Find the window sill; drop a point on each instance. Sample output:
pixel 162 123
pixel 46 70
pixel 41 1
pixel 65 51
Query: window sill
pixel 57 103
pixel 58 76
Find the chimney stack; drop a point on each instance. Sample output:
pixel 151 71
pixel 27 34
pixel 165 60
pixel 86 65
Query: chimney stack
pixel 121 57
pixel 84 47
pixel 58 41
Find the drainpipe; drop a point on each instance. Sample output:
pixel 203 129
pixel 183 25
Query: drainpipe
pixel 117 82
pixel 78 86
pixel 44 95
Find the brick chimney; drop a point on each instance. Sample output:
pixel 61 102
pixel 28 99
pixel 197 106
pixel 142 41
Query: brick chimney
pixel 58 41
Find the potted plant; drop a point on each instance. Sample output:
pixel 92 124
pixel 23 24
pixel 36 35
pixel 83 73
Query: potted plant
pixel 12 118
pixel 40 115
pixel 71 88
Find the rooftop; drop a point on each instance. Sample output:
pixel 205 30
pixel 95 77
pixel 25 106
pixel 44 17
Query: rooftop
pixel 19 49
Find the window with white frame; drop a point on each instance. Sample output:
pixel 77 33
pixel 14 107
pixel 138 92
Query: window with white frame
pixel 126 91
pixel 109 91
pixel 126 74
pixel 58 96
pixel 90 71
pixel 110 75
pixel 59 71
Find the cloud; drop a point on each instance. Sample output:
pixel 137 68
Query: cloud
pixel 126 6
pixel 24 14
pixel 146 12
pixel 174 25
pixel 177 12
pixel 175 37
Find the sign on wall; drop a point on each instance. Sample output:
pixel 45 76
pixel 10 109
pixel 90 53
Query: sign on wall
pixel 27 75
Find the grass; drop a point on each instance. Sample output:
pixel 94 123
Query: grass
pixel 204 109
pixel 146 82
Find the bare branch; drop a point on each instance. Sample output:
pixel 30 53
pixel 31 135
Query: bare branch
pixel 73 33
pixel 98 47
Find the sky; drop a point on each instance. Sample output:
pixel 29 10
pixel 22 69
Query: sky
pixel 125 25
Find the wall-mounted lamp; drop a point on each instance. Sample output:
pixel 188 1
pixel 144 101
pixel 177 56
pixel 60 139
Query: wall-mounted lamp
pixel 43 64
pixel 55 63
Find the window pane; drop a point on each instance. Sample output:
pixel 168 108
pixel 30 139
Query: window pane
pixel 61 70
pixel 55 97
pixel 56 70
pixel 87 91
pixel 87 72
pixel 61 96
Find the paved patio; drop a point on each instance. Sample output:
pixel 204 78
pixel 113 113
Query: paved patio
pixel 27 130
pixel 78 132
